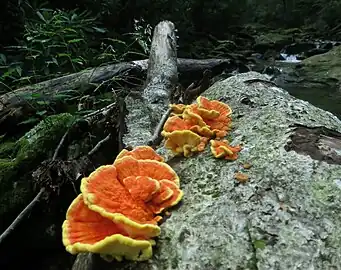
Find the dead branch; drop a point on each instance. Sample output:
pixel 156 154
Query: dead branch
pixel 98 145
pixel 21 216
pixel 84 80
pixel 157 138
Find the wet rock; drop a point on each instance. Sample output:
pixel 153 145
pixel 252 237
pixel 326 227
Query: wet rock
pixel 315 51
pixel 297 48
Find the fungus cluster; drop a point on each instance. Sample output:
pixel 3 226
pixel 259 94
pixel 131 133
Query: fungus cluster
pixel 118 210
pixel 191 127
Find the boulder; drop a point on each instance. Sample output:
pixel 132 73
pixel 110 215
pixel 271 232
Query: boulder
pixel 322 69
pixel 287 216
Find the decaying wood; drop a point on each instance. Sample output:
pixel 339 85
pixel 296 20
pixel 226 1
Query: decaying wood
pixel 21 216
pixel 161 78
pixel 320 143
pixel 157 138
pixel 162 73
pixel 195 89
pixel 84 80
pixel 17 105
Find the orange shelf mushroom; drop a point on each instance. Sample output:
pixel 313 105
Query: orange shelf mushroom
pixel 87 231
pixel 169 195
pixel 210 107
pixel 184 142
pixel 105 194
pixel 177 109
pixel 189 130
pixel 222 149
pixel 176 123
pixel 153 182
pixel 129 166
pixel 215 114
pixel 117 213
pixel 141 152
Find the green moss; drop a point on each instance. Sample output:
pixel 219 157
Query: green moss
pixel 17 197
pixel 30 150
pixel 273 37
pixel 38 140
pixel 259 244
pixel 325 192
pixel 8 150
pixel 8 170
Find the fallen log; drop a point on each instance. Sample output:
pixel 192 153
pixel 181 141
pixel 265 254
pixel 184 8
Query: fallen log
pixel 19 104
pixel 146 110
pixel 84 80
pixel 284 217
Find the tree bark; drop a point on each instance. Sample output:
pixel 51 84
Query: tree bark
pixel 146 110
pixel 19 104
pixel 84 80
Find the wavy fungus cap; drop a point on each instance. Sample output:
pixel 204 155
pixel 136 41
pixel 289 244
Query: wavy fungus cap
pixel 215 115
pixel 177 109
pixel 184 142
pixel 87 231
pixel 105 194
pixel 141 152
pixel 129 166
pixel 222 149
pixel 210 107
pixel 150 181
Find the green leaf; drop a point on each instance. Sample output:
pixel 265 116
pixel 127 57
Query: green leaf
pixel 3 59
pixel 41 113
pixel 76 40
pixel 30 120
pixel 43 102
pixel 99 30
pixel 18 70
pixel 41 16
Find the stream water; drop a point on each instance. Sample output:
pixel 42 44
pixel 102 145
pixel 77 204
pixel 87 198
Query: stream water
pixel 326 98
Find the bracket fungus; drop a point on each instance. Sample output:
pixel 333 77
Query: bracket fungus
pixel 129 166
pixel 159 177
pixel 184 142
pixel 141 152
pixel 105 194
pixel 222 149
pixel 87 231
pixel 117 213
pixel 192 126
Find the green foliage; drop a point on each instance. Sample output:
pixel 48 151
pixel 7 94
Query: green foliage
pixel 54 41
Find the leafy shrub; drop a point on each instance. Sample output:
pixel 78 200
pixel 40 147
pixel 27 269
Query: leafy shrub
pixel 55 42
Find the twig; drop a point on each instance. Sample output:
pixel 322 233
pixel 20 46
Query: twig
pixel 60 145
pixel 36 199
pixel 157 138
pixel 21 216
pixel 98 145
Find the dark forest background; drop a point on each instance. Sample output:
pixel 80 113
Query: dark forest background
pixel 43 39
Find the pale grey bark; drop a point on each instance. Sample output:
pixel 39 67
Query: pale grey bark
pixel 145 112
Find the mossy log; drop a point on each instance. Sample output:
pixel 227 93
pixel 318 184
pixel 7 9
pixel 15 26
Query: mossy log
pixel 285 217
pixel 19 158
pixel 16 105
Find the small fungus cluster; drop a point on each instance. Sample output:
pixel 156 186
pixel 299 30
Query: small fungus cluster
pixel 117 213
pixel 191 127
